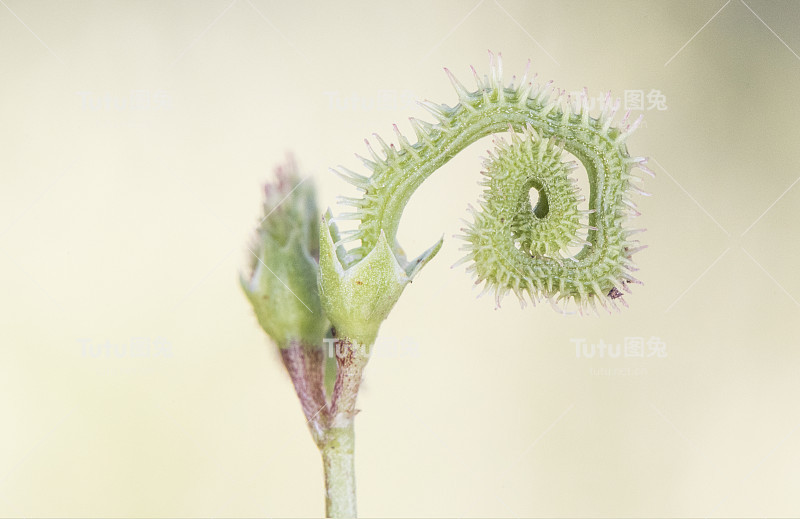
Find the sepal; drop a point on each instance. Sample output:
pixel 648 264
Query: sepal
pixel 358 298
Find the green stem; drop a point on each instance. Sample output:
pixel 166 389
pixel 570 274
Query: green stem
pixel 340 475
pixel 338 443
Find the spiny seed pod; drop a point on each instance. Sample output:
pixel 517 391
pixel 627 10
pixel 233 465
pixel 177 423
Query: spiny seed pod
pixel 515 247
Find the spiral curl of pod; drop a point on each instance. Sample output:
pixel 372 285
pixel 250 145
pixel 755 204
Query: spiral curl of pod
pixel 512 246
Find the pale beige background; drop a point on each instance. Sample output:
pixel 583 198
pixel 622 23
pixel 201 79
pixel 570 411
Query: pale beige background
pixel 123 223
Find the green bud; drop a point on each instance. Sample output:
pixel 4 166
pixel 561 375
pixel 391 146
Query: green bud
pixel 282 280
pixel 357 299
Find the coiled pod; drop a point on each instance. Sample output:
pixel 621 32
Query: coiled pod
pixel 514 247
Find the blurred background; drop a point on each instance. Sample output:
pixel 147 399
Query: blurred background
pixel 135 381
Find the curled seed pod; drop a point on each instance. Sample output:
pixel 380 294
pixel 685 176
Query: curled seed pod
pixel 513 246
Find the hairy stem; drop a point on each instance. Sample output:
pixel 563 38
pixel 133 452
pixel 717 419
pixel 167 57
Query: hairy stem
pixel 337 446
pixel 338 460
pixel 305 364
pixel 351 358
pixel 331 424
